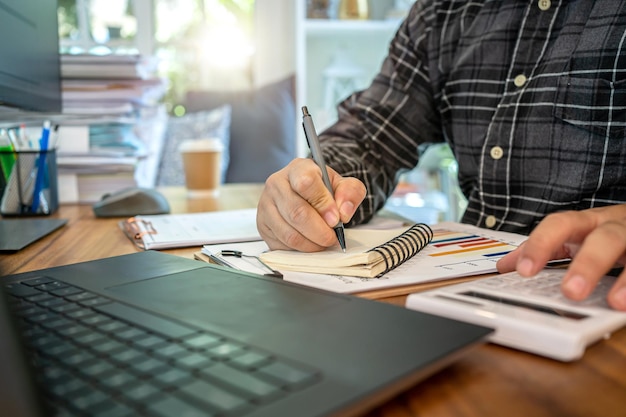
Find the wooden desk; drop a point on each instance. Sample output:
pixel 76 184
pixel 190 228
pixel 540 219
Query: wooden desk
pixel 86 237
pixel 488 381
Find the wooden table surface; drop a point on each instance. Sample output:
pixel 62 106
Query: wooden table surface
pixel 487 381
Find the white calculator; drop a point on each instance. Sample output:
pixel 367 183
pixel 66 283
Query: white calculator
pixel 529 314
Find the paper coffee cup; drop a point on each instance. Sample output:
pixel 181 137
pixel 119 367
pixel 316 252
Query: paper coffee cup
pixel 202 162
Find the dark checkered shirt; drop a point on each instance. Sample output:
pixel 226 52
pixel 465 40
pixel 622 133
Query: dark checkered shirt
pixel 530 95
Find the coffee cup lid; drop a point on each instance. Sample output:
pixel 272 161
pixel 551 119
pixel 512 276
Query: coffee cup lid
pixel 201 144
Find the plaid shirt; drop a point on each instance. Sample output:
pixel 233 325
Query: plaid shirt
pixel 530 95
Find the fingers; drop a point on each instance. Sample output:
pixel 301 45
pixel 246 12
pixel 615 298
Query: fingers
pixel 617 295
pixel 595 239
pixel 281 209
pixel 296 210
pixel 508 262
pixel 277 233
pixel 601 250
pixel 306 181
pixel 349 193
pixel 548 240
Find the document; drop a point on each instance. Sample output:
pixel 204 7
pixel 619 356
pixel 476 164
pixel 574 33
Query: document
pixel 166 231
pixel 457 251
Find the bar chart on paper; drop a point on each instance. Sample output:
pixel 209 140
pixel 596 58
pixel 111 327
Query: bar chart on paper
pixel 456 250
pixel 461 252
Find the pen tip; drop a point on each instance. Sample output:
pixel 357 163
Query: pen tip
pixel 341 237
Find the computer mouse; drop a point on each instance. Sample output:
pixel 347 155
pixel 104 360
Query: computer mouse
pixel 131 202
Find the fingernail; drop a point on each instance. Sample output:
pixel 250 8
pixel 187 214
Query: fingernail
pixel 347 209
pixel 331 219
pixel 619 298
pixel 576 286
pixel 525 267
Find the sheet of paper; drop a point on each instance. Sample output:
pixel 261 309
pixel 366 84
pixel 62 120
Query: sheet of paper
pixel 456 250
pixel 244 263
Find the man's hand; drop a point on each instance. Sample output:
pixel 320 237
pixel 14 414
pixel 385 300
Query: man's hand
pixel 296 211
pixel 595 239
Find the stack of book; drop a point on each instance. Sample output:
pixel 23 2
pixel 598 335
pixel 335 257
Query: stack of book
pixel 108 84
pixel 107 133
pixel 86 179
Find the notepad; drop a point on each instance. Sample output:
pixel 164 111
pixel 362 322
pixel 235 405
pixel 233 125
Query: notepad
pixel 370 253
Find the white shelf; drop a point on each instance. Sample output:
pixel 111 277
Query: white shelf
pixel 333 27
pixel 361 45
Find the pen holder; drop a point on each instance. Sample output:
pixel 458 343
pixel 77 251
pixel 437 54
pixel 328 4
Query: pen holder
pixel 28 183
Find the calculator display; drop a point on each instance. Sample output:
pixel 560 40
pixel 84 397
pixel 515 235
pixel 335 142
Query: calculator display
pixel 529 306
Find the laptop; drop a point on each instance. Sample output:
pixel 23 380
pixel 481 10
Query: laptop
pixel 154 334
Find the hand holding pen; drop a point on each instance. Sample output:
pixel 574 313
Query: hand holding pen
pixel 316 152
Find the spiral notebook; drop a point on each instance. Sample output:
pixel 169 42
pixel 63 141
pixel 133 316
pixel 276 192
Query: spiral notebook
pixel 370 253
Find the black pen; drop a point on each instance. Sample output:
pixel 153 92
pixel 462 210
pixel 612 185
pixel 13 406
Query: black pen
pixel 316 151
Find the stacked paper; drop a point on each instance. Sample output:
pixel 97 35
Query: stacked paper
pixel 109 84
pixel 112 125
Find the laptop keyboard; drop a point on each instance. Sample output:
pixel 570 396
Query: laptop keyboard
pixel 94 358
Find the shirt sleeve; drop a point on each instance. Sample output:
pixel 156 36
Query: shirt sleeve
pixel 380 128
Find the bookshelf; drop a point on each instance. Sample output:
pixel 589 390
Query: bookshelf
pixel 346 54
pixel 429 192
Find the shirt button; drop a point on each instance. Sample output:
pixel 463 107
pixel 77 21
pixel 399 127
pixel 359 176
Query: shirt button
pixel 520 80
pixel 496 152
pixel 544 4
pixel 490 221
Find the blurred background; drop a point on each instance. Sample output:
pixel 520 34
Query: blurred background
pixel 239 53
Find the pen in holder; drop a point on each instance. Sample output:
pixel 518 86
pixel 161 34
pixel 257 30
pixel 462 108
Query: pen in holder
pixel 29 182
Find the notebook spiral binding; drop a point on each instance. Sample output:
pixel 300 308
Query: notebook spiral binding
pixel 400 249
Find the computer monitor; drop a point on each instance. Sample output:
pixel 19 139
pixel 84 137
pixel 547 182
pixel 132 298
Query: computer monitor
pixel 29 57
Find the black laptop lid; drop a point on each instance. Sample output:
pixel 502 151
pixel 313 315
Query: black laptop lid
pixel 361 351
